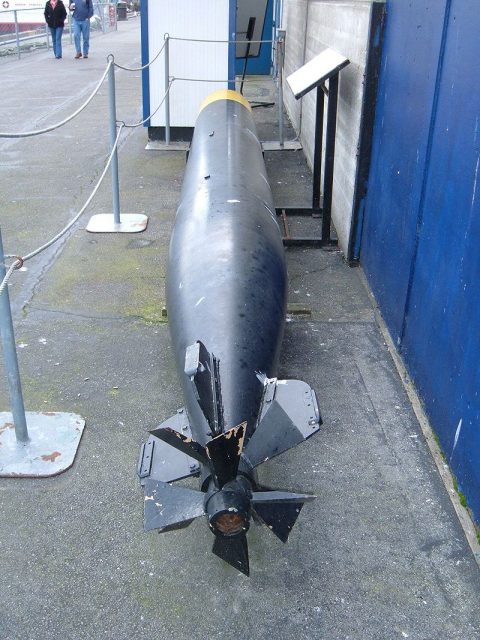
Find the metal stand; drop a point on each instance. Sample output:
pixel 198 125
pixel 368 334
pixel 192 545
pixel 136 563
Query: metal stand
pixel 105 222
pixel 49 444
pixel 316 211
pixel 249 36
pixel 313 75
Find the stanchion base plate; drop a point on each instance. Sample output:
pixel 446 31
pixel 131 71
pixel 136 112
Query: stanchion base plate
pixel 54 439
pixel 288 145
pixel 159 145
pixel 129 223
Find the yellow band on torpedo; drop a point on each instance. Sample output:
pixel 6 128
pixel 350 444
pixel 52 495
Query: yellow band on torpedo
pixel 225 94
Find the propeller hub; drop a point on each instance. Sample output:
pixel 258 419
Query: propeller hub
pixel 228 508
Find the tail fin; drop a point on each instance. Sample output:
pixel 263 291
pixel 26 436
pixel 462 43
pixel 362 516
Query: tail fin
pixel 203 370
pixel 289 415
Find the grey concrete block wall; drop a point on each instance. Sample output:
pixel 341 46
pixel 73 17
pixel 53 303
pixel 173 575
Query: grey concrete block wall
pixel 343 25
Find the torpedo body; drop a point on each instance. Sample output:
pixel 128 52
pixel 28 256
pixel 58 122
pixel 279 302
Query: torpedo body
pixel 226 279
pixel 226 302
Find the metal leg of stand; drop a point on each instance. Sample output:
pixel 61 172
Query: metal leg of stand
pixel 317 152
pixel 329 156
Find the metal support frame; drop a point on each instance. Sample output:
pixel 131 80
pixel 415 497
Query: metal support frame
pixel 329 157
pixel 316 211
pixel 313 75
pixel 249 37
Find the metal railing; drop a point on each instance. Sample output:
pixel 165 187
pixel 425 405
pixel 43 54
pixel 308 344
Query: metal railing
pixel 279 46
pixel 19 28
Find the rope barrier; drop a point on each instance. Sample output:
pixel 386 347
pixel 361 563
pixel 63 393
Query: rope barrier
pixel 15 265
pixel 132 126
pixel 20 260
pixel 29 134
pixel 145 66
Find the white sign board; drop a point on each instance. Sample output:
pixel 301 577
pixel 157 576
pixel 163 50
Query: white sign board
pixel 319 69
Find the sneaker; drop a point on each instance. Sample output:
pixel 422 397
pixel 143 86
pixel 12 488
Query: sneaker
pixel 79 55
pixel 85 56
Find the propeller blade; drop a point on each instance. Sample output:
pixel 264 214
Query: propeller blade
pixel 279 518
pixel 224 452
pixel 182 443
pixel 280 496
pixel 168 507
pixel 234 551
pixel 279 510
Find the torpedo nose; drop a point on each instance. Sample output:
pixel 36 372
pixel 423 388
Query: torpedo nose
pixel 228 508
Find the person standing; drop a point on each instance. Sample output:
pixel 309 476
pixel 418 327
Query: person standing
pixel 55 14
pixel 82 12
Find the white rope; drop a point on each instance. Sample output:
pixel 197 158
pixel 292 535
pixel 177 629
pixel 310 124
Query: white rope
pixel 19 261
pixel 131 126
pixel 145 66
pixel 15 265
pixel 89 199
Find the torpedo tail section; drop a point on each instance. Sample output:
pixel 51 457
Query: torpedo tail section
pixel 231 496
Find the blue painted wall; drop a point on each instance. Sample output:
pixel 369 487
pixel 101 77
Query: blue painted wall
pixel 145 61
pixel 420 246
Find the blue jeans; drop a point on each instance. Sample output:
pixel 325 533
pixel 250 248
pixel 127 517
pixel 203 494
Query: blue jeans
pixel 57 41
pixel 81 27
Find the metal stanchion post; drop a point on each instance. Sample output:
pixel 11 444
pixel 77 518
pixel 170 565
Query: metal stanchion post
pixel 113 137
pixel 10 356
pixel 280 60
pixel 167 92
pixel 17 36
pixel 102 222
pixel 29 453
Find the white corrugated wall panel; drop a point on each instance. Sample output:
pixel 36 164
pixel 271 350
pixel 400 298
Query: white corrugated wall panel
pixel 207 20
